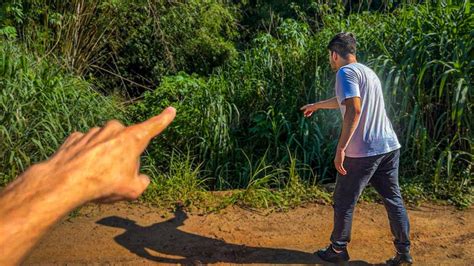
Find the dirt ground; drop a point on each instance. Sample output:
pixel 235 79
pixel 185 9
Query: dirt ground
pixel 135 234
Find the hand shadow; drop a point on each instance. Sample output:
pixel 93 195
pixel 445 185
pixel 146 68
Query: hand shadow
pixel 165 238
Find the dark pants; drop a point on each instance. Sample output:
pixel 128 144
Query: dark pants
pixel 382 173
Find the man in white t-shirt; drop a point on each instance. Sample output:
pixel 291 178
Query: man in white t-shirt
pixel 368 151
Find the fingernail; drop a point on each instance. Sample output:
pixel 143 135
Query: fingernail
pixel 171 109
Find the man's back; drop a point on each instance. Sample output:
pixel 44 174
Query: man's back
pixel 374 134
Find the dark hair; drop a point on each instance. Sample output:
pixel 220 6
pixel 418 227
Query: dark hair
pixel 343 43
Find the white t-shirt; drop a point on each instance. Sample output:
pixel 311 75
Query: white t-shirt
pixel 374 134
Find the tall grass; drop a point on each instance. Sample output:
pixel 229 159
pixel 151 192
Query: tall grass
pixel 181 184
pixel 79 31
pixel 238 119
pixel 428 75
pixel 40 104
pixel 124 46
pixel 423 55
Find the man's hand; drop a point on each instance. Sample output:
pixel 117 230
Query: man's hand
pixel 101 165
pixel 339 161
pixel 104 163
pixel 309 109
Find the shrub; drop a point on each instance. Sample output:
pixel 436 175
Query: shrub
pixel 422 55
pixel 40 104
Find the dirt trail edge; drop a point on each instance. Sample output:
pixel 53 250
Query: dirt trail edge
pixel 132 234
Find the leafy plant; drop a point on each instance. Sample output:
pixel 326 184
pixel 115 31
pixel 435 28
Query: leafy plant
pixel 40 105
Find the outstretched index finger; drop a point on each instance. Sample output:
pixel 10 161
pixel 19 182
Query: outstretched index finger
pixel 152 127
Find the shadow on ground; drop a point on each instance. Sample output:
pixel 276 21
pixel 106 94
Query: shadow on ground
pixel 164 242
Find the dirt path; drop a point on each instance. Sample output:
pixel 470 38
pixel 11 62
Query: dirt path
pixel 136 234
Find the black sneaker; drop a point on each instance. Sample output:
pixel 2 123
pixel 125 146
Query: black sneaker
pixel 328 254
pixel 400 259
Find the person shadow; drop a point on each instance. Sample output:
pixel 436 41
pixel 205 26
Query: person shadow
pixel 163 242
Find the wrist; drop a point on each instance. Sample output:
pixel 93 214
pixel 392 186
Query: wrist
pixel 47 179
pixel 35 201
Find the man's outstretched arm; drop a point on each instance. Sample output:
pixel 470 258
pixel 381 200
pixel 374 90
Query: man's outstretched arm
pixel 101 165
pixel 313 107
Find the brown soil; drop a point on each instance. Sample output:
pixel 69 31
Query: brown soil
pixel 136 234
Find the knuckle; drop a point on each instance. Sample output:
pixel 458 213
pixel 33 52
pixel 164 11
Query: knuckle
pixel 76 134
pixel 93 131
pixel 114 124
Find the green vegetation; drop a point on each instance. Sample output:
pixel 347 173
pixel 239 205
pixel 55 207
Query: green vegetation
pixel 40 104
pixel 237 74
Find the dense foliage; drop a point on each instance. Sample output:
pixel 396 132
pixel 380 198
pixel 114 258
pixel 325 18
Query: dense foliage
pixel 238 72
pixel 40 105
pixel 128 46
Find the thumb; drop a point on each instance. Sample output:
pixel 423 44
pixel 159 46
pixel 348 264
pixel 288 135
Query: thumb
pixel 138 185
pixel 143 182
